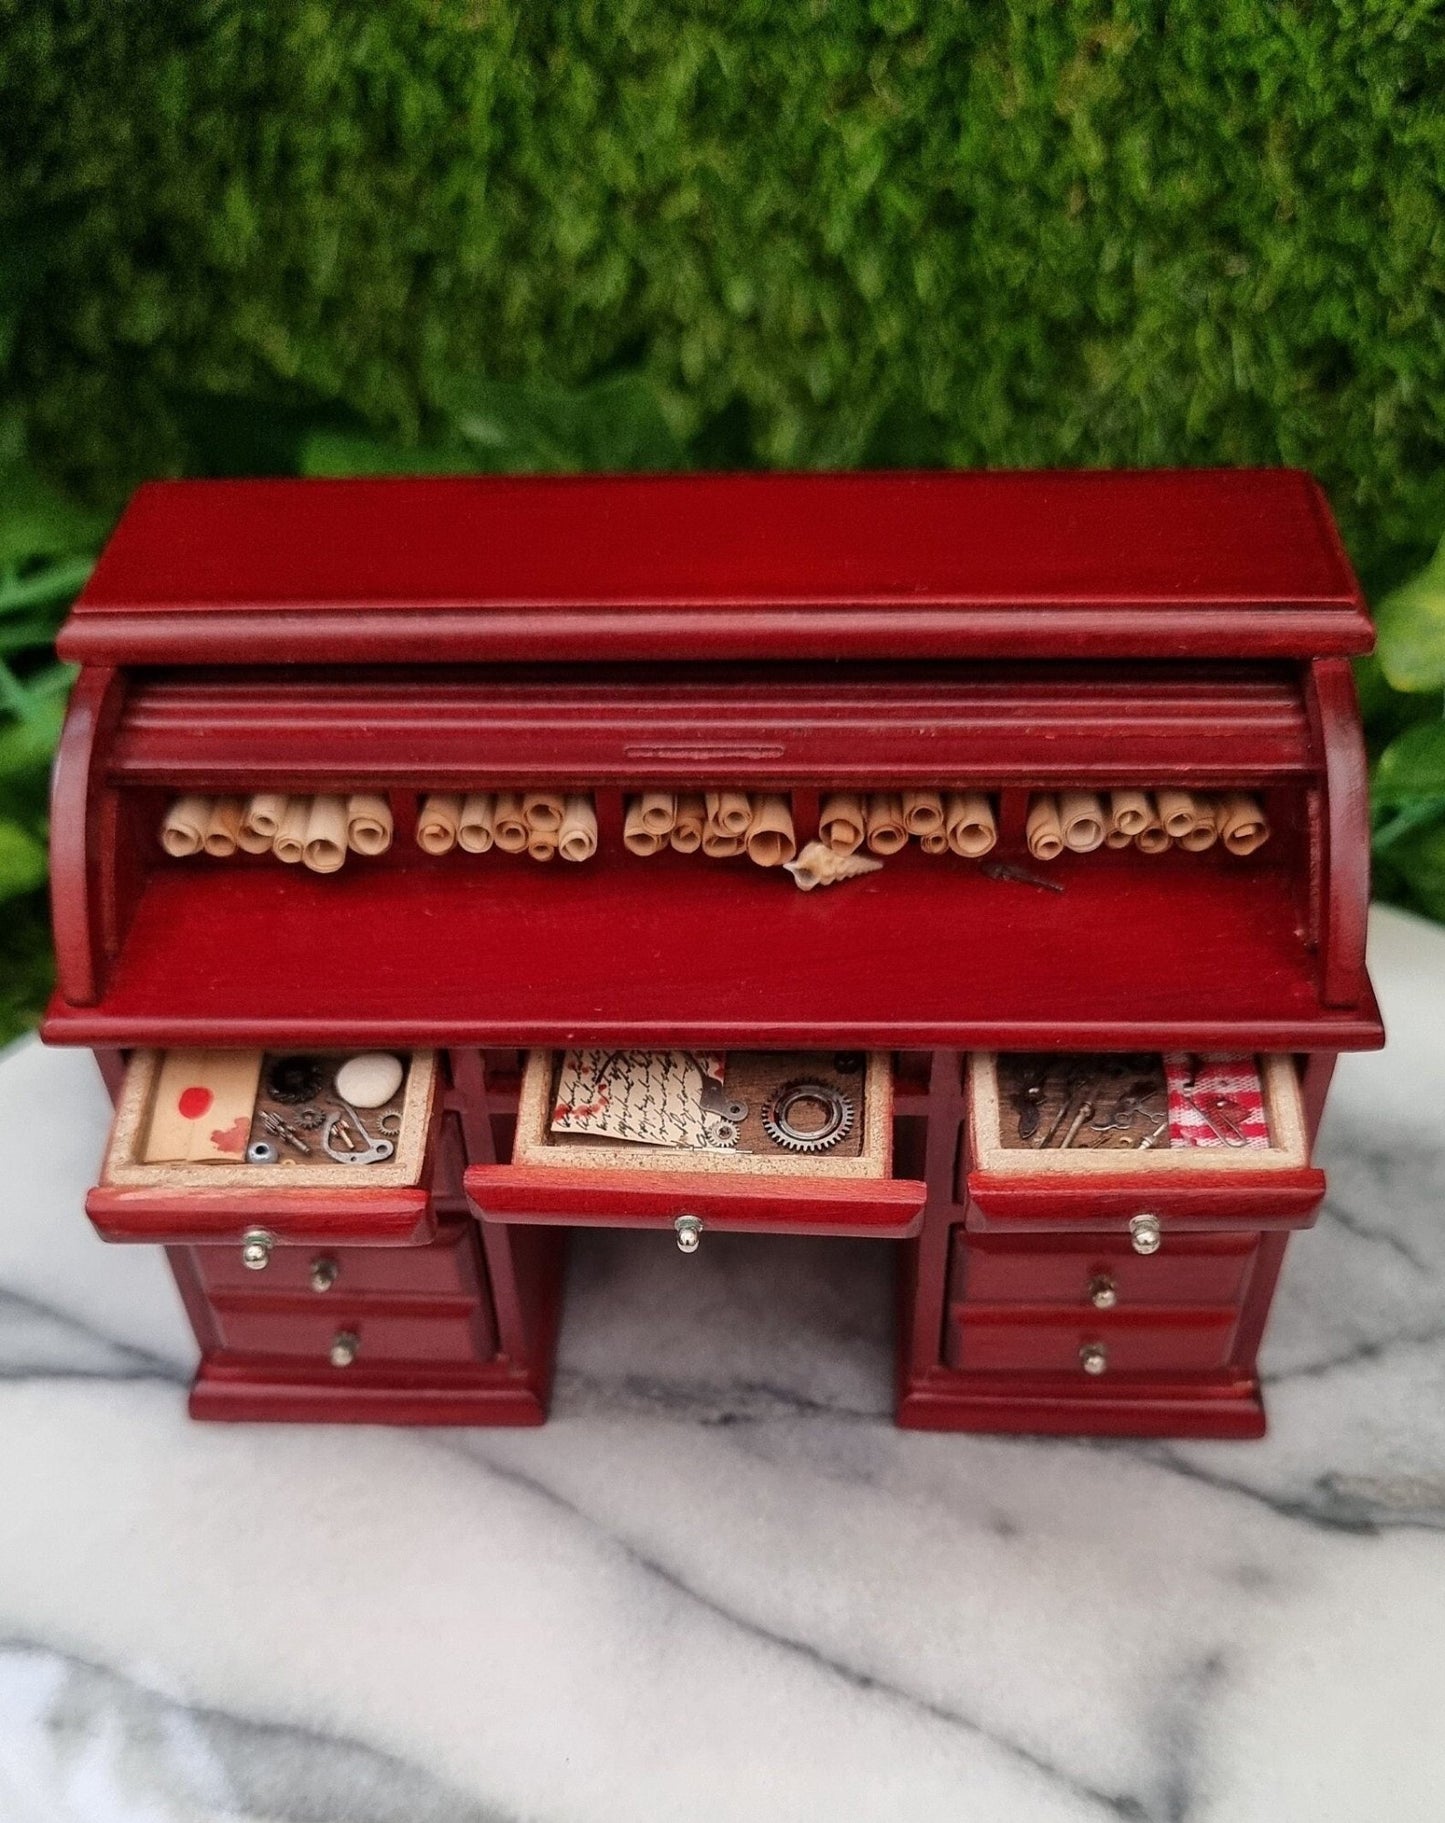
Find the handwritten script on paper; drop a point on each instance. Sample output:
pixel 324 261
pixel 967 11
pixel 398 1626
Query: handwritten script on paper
pixel 653 1098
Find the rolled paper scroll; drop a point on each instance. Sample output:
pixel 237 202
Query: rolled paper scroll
pixel 687 830
pixel 436 825
pixel 542 810
pixel 770 834
pixel 637 838
pixel 922 812
pixel 1081 821
pixel 368 823
pixel 1241 821
pixel 718 845
pixel 658 810
pixel 1176 811
pixel 934 843
pixel 842 821
pixel 325 848
pixel 183 827
pixel 886 831
pixel 968 823
pixel 259 816
pixel 222 827
pixel 1114 837
pixel 577 838
pixel 509 823
pixel 474 825
pixel 1129 812
pixel 542 844
pixel 729 811
pixel 289 842
pixel 1153 838
pixel 1042 830
pixel 1206 829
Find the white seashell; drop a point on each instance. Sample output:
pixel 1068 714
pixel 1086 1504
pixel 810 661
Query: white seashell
pixel 370 1079
pixel 820 865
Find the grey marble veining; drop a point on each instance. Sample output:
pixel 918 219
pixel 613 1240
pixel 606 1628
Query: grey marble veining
pixel 720 1584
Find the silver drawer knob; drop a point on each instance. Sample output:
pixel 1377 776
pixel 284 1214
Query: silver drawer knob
pixel 345 1347
pixel 689 1233
pixel 1093 1357
pixel 256 1245
pixel 1146 1234
pixel 324 1273
pixel 1103 1293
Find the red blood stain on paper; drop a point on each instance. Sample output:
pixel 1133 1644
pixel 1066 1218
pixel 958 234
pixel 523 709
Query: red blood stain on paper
pixel 193 1102
pixel 232 1138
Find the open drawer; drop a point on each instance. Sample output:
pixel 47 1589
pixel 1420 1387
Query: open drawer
pixel 1218 1160
pixel 587 1180
pixel 262 1147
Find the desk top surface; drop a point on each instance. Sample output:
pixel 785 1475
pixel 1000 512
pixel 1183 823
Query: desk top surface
pixel 1209 562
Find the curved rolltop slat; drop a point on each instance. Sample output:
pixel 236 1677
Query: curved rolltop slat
pixel 826 727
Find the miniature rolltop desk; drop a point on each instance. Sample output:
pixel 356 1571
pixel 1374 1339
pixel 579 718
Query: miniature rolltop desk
pixel 1056 1024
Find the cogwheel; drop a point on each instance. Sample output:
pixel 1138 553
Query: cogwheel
pixel 292 1080
pixel 723 1133
pixel 836 1125
pixel 308 1119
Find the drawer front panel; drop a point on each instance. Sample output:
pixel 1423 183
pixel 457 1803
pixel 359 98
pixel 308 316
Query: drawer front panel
pixel 350 1337
pixel 1283 1201
pixel 448 1268
pixel 886 1208
pixel 1104 1272
pixel 996 1339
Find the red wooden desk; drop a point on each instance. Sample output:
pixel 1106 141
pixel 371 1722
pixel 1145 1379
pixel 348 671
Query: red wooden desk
pixel 796 634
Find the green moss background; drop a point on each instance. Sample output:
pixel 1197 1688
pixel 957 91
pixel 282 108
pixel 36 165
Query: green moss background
pixel 1018 233
pixel 262 235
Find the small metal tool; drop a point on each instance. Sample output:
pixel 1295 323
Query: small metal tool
pixel 1217 1111
pixel 1026 1103
pixel 1074 1086
pixel 1086 1108
pixel 282 1129
pixel 1019 876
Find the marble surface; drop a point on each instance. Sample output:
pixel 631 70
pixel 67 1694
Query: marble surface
pixel 719 1584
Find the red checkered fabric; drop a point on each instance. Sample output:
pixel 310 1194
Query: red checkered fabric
pixel 1212 1096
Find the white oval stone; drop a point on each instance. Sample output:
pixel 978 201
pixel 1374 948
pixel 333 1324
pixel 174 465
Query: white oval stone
pixel 370 1079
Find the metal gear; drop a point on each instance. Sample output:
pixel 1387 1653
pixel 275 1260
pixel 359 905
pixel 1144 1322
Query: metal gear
pixel 782 1130
pixel 292 1080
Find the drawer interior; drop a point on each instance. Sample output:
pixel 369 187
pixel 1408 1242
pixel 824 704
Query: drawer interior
pixel 580 1111
pixel 275 1122
pixel 1079 1117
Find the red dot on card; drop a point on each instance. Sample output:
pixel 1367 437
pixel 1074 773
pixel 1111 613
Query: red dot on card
pixel 194 1102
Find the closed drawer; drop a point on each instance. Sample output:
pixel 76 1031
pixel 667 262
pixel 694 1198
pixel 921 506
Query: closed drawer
pixel 1103 1271
pixel 1013 1187
pixel 1031 1339
pixel 587 1183
pixel 350 1338
pixel 178 1167
pixel 446 1268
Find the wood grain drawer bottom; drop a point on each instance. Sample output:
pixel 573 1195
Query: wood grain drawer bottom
pixel 351 1337
pixel 1064 1269
pixel 1093 1344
